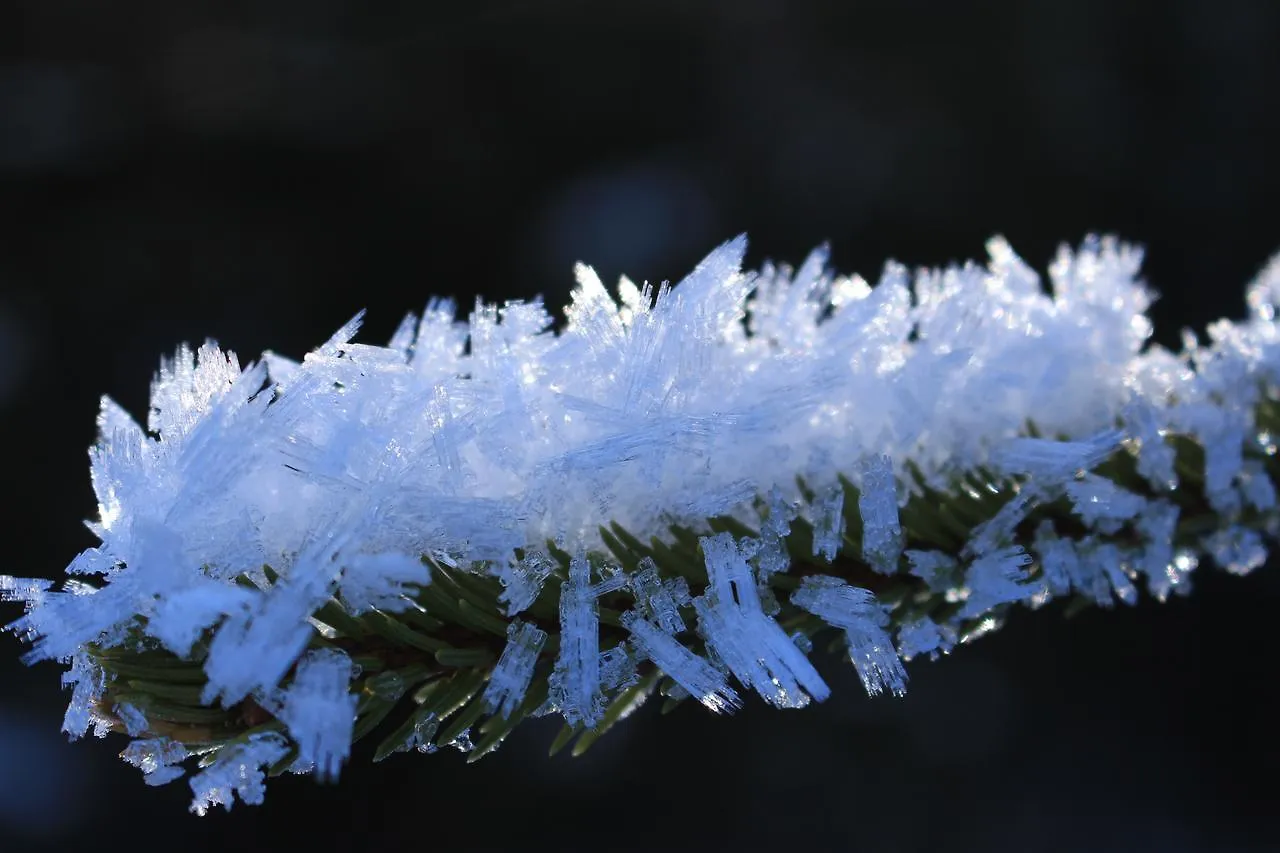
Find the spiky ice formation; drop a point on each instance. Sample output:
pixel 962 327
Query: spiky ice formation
pixel 682 487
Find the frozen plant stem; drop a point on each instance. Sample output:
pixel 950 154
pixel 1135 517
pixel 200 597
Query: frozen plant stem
pixel 678 495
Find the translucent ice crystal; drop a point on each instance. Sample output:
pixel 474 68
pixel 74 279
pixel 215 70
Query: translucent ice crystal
pixel 923 636
pixel 996 578
pixel 159 759
pixel 575 682
pixel 320 710
pixel 660 601
pixel 828 526
pixel 862 618
pixel 238 769
pixel 1237 549
pixel 510 679
pixel 878 506
pixel 754 647
pixel 695 674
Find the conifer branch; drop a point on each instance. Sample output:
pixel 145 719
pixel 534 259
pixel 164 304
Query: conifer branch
pixel 422 616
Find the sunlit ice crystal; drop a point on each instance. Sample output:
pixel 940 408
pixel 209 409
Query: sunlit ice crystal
pixel 320 710
pixel 828 527
pixel 575 682
pixel 923 636
pixel 878 506
pixel 159 759
pixel 750 642
pixel 695 674
pixel 238 769
pixel 514 671
pixel 863 620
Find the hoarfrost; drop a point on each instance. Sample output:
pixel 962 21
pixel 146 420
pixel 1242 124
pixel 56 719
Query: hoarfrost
pixel 878 506
pixel 575 682
pixel 695 674
pixel 510 679
pixel 935 568
pixel 479 440
pixel 320 711
pixel 157 758
pixel 1103 505
pixel 923 636
pixel 828 526
pixel 754 647
pixel 381 581
pixel 522 580
pixel 1237 549
pixel 997 578
pixel 238 769
pixel 660 601
pixel 863 620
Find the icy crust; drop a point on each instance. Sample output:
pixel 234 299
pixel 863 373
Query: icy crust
pixel 474 442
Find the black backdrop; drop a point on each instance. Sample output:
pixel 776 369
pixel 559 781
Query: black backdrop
pixel 257 172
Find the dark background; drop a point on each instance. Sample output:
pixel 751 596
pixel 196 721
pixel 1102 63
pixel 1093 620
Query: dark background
pixel 256 172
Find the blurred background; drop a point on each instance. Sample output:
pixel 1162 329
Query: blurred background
pixel 257 172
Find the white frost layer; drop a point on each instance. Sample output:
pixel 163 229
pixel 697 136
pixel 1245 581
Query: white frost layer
pixel 470 440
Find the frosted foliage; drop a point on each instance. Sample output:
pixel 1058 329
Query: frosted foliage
pixel 381 581
pixel 320 711
pixel 878 506
pixel 754 647
pixel 477 440
pixel 1155 455
pixel 998 531
pixel 239 770
pixel 862 618
pixel 510 679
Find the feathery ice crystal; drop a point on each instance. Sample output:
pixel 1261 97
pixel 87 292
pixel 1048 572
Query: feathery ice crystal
pixel 677 492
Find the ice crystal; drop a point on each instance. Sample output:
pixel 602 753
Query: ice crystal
pixel 514 671
pixel 696 675
pixel 320 711
pixel 255 499
pixel 862 618
pixel 1102 504
pixel 828 527
pixel 238 770
pixel 878 506
pixel 1237 549
pixel 159 759
pixel 576 681
pixel 996 578
pixel 923 636
pixel 661 601
pixel 754 647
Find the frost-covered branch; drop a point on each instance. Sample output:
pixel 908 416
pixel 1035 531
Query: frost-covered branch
pixel 676 495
